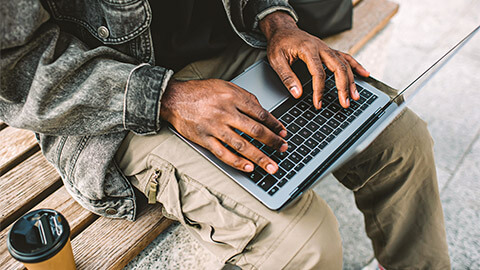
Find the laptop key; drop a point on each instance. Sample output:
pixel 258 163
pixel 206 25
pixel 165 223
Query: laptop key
pixel 267 182
pixel 295 157
pixel 318 136
pixel 311 143
pixel 365 93
pixel 371 99
pixel 303 106
pixel 297 139
pixel 340 117
pixel 291 174
pixel 326 129
pixel 305 133
pixel 294 128
pixel 309 115
pixel 320 120
pixel 299 166
pixel 322 145
pixel 330 138
pixel 337 131
pixel 303 150
pixel 333 123
pixel 301 121
pixel 326 113
pixel 313 126
pixel 273 191
pixel 295 111
pixel 287 165
pixel 280 173
pixel 334 107
pixel 286 119
pixel 364 107
pixel 344 125
pixel 315 151
pixel 307 159
pixel 255 176
pixel 351 118
pixel 282 182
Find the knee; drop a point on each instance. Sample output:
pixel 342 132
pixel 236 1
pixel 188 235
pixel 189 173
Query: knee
pixel 323 249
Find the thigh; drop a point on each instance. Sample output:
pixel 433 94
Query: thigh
pixel 225 218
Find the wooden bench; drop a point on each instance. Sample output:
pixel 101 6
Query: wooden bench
pixel 28 181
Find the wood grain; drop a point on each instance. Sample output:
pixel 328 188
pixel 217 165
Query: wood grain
pixel 25 186
pixel 369 17
pixel 15 146
pixel 78 219
pixel 112 243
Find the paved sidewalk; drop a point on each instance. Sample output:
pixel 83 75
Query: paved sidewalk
pixel 419 34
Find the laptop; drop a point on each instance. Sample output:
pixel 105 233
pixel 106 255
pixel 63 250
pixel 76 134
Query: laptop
pixel 319 140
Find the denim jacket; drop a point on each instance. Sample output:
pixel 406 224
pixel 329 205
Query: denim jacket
pixel 82 73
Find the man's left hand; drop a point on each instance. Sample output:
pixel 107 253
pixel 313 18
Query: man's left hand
pixel 287 43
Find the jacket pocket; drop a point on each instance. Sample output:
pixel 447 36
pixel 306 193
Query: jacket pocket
pixel 109 21
pixel 218 221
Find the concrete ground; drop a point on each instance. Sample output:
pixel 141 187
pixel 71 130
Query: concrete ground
pixel 419 34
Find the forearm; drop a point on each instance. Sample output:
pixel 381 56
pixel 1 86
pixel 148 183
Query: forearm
pixel 276 21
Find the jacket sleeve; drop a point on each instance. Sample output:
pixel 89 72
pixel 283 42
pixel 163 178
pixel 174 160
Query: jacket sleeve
pixel 255 10
pixel 52 83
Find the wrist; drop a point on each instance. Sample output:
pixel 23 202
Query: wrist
pixel 276 21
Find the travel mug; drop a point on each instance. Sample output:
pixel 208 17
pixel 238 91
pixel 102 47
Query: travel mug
pixel 41 240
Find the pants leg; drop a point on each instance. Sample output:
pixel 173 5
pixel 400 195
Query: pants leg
pixel 217 212
pixel 395 187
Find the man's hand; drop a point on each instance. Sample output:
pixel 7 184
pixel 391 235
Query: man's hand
pixel 287 43
pixel 207 112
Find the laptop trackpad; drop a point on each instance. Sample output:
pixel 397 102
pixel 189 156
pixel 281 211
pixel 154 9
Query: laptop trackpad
pixel 264 83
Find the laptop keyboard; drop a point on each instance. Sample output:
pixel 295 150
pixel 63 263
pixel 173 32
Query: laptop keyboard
pixel 309 131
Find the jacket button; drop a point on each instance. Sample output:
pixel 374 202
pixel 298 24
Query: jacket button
pixel 103 32
pixel 111 211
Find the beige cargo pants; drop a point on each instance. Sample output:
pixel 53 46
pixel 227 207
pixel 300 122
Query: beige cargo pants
pixel 393 180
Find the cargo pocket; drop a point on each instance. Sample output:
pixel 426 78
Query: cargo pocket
pixel 216 220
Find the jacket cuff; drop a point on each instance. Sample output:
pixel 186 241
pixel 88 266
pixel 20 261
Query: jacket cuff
pixel 143 92
pixel 256 10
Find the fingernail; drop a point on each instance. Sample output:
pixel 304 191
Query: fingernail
pixel 248 168
pixel 294 90
pixel 283 133
pixel 284 147
pixel 347 101
pixel 356 94
pixel 271 168
pixel 320 104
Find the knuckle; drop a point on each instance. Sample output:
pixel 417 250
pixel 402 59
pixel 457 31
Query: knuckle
pixel 237 163
pixel 342 68
pixel 238 145
pixel 261 159
pixel 262 115
pixel 256 130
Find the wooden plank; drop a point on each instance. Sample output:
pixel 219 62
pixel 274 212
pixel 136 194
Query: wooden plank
pixel 78 219
pixel 369 17
pixel 25 186
pixel 15 146
pixel 112 243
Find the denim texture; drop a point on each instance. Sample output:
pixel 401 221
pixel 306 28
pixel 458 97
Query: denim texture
pixel 81 88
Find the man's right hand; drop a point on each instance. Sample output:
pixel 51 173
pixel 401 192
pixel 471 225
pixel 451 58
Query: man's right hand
pixel 207 112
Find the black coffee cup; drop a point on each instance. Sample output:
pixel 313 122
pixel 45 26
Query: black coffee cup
pixel 41 240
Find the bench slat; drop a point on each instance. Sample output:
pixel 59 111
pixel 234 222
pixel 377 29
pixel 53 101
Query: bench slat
pixel 369 17
pixel 25 186
pixel 112 243
pixel 15 146
pixel 78 219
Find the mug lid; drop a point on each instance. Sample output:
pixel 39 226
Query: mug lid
pixel 38 236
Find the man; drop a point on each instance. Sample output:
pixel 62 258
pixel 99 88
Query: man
pixel 98 80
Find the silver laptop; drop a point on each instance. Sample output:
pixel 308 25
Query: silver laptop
pixel 319 140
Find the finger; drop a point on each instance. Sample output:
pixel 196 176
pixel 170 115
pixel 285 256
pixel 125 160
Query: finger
pixel 357 67
pixel 229 158
pixel 353 88
pixel 341 75
pixel 281 66
pixel 251 107
pixel 259 132
pixel 242 146
pixel 315 67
